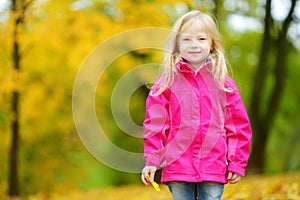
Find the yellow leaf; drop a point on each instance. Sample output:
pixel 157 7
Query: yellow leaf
pixel 153 183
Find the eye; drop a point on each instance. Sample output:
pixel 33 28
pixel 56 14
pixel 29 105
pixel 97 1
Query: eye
pixel 186 39
pixel 202 38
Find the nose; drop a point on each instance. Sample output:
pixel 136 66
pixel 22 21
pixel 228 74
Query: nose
pixel 194 44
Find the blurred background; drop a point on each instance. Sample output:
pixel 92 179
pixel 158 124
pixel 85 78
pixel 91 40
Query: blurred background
pixel 44 42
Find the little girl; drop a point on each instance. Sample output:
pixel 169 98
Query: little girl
pixel 196 127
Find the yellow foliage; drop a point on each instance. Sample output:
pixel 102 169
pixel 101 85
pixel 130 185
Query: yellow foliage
pixel 267 187
pixel 54 43
pixel 255 187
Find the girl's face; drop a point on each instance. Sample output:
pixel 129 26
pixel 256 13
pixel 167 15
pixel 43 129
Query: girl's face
pixel 194 44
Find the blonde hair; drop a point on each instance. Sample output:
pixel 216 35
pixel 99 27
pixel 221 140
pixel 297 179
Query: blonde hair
pixel 171 57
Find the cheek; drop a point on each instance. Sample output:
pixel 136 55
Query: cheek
pixel 209 48
pixel 183 47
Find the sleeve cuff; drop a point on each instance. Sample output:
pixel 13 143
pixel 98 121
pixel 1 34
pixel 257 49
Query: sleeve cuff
pixel 236 169
pixel 152 161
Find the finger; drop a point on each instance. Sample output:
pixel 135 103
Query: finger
pixel 229 176
pixel 152 174
pixel 148 174
pixel 145 179
pixel 236 178
pixel 234 181
pixel 144 176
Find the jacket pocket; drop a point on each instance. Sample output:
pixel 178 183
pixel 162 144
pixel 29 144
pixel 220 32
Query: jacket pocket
pixel 215 161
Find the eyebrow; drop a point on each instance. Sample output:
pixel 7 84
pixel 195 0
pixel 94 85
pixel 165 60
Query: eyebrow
pixel 186 34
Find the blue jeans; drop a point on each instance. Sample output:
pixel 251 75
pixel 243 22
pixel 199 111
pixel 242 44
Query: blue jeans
pixel 196 191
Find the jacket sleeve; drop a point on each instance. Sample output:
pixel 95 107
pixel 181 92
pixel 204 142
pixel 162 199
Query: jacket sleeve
pixel 156 125
pixel 238 129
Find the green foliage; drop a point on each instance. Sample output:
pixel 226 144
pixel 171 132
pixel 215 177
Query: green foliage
pixel 283 148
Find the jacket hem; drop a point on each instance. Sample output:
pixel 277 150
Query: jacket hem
pixel 194 178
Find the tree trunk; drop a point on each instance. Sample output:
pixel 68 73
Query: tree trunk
pixel 259 132
pixel 13 172
pixel 18 9
pixel 263 120
pixel 13 189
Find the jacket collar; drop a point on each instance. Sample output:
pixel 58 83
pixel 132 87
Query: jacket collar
pixel 184 67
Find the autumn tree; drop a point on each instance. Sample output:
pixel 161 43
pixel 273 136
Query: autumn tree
pixel 18 12
pixel 263 112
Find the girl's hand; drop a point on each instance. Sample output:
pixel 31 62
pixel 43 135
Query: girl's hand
pixel 233 177
pixel 148 171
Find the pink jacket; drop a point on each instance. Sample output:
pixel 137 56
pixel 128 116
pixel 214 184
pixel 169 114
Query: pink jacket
pixel 194 130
